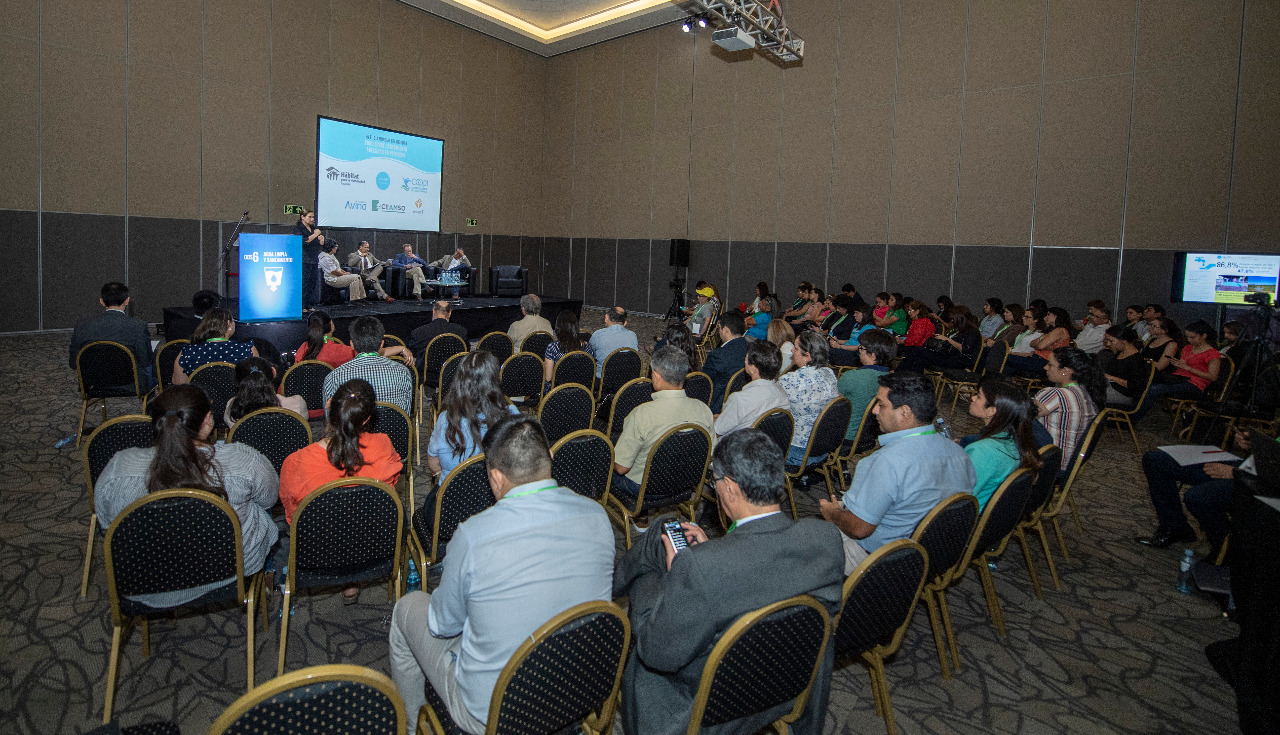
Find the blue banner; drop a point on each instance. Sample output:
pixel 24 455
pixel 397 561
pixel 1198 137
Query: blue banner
pixel 270 277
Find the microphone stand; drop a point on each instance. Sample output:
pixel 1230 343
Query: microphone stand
pixel 224 259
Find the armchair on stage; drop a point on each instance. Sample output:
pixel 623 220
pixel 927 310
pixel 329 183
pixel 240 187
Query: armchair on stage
pixel 508 280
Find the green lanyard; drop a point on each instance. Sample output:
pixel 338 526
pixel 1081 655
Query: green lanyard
pixel 366 354
pixel 921 433
pixel 550 486
pixel 1000 331
pixel 216 339
pixel 833 326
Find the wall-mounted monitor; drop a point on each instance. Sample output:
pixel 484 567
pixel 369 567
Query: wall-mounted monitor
pixel 376 179
pixel 1223 278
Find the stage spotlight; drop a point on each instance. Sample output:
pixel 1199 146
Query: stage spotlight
pixel 702 22
pixel 686 27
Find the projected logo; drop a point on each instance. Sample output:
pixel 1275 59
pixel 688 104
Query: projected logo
pixel 383 180
pixel 344 178
pixel 415 185
pixel 356 205
pixel 379 206
pixel 274 276
pixel 252 256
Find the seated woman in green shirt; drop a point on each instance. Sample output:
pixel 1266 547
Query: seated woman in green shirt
pixel 875 352
pixel 1005 442
pixel 895 320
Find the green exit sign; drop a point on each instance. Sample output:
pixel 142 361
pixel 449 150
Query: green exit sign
pixel 472 222
pixel 293 209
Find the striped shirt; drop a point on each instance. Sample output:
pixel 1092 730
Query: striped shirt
pixel 391 380
pixel 1070 411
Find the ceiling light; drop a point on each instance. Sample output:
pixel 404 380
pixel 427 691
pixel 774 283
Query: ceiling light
pixel 686 27
pixel 702 22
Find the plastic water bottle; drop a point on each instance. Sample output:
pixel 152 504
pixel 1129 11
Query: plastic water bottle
pixel 64 442
pixel 414 582
pixel 1184 576
pixel 941 427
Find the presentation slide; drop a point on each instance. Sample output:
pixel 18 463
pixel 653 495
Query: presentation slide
pixel 270 277
pixel 376 179
pixel 1217 278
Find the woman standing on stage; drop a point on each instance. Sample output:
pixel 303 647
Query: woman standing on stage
pixel 312 244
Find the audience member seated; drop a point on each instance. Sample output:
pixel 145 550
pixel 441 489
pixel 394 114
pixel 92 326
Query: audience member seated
pixel 255 389
pixel 703 310
pixel 1058 332
pixel 849 290
pixel 760 396
pixel 840 324
pixel 567 340
pixel 1094 327
pixel 757 323
pixel 113 324
pixel 184 457
pixel 992 317
pixel 762 292
pixel 894 487
pixel 860 386
pixel 392 382
pixel 801 303
pixel 336 277
pixel 349 448
pixel 683 602
pixel 1067 407
pixel 1197 367
pixel 964 343
pixel 1150 313
pixel 679 337
pixel 474 395
pixel 1040 307
pixel 531 321
pixel 1006 441
pixel 1133 320
pixel 895 319
pixel 1208 497
pixel 1126 373
pixel 370 269
pixel 1232 345
pixel 845 353
pixel 614 336
pixel 784 338
pixel 922 327
pixel 881 308
pixel 422 336
pixel 540 550
pixel 204 300
pixel 1008 333
pixel 321 345
pixel 815 312
pixel 211 342
pixel 646 424
pixel 810 387
pixel 1163 342
pixel 945 306
pixel 413 266
pixel 727 359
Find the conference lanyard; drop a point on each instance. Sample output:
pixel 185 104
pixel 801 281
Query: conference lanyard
pixel 522 493
pixel 833 326
pixel 366 354
pixel 216 339
pixel 921 433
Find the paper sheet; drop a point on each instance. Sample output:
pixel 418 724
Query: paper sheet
pixel 1187 455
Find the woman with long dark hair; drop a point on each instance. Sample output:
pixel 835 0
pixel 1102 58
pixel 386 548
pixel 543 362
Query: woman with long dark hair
pixel 1058 332
pixel 679 337
pixel 1162 346
pixel 184 457
pixel 473 402
pixel 762 292
pixel 1005 442
pixel 320 344
pixel 312 244
pixel 211 342
pixel 1194 369
pixel 255 389
pixel 964 339
pixel 1126 372
pixel 567 340
pixel 1078 393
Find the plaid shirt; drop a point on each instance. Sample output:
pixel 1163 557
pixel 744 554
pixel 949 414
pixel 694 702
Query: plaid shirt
pixel 391 380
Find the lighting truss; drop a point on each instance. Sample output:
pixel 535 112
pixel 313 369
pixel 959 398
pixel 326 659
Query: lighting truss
pixel 757 19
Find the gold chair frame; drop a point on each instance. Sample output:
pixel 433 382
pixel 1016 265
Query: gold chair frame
pixel 306 677
pixel 619 511
pixel 934 590
pixel 85 400
pixel 88 485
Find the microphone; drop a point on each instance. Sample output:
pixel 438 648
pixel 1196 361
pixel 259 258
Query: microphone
pixel 246 213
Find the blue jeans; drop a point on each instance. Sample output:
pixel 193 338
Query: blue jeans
pixel 1029 366
pixel 625 487
pixel 1182 389
pixel 795 455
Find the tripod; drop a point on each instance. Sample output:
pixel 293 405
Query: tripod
pixel 676 310
pixel 1258 360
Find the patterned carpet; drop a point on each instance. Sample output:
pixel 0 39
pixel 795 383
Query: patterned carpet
pixel 1117 650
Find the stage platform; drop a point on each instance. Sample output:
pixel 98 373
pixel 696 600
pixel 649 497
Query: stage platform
pixel 479 314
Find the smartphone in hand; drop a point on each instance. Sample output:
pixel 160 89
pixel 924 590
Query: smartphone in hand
pixel 676 534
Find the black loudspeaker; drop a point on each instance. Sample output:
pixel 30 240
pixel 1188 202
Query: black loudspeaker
pixel 679 253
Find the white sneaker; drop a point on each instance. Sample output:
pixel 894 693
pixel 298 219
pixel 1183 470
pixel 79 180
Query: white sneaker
pixel 637 529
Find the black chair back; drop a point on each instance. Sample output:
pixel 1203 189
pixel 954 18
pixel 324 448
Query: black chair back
pixel 632 394
pixel 522 376
pixel 778 425
pixel 306 379
pixel 1042 490
pixel 1075 463
pixel 537 343
pixel 391 420
pixel 107 370
pixel 566 409
pixel 274 432
pixel 1003 512
pixel 583 462
pixel 945 533
pixel 675 466
pixel 348 530
pixel 575 367
pixel 219 382
pixel 166 356
pixel 620 366
pixel 439 349
pixel 123 432
pixel 464 493
pixel 737 382
pixel 447 371
pixel 335 698
pixel 830 428
pixel 497 344
pixel 879 598
pixel 698 385
pixel 766 658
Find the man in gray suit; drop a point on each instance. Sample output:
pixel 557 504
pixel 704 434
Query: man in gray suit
pixel 370 269
pixel 682 602
pixel 113 324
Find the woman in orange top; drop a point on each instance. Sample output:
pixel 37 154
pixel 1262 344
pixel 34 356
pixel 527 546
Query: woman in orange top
pixel 320 344
pixel 1058 332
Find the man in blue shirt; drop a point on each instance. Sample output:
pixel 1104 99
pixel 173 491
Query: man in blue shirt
pixel 914 470
pixel 539 551
pixel 613 336
pixel 413 266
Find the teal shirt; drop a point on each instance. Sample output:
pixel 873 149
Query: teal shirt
pixel 860 387
pixel 994 459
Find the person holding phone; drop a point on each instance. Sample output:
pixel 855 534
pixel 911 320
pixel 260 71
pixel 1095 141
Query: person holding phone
pixel 683 599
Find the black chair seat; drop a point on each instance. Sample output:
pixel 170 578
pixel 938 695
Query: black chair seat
pixel 307 580
pixel 225 593
pixel 959 375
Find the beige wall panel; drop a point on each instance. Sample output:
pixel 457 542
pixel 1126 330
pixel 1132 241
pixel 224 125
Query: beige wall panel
pixel 755 180
pixel 1255 218
pixel 715 74
pixel 1180 158
pixel 91 25
pixel 1181 32
pixel 674 88
pixel 805 178
pixel 164 143
pixel 1084 139
pixel 353 65
pixel 635 186
pixel 600 80
pixel 452 186
pixel 237 43
pixel 21 18
pixel 860 179
pixel 235 149
pixel 596 190
pixel 1006 44
pixel 670 183
pixel 811 85
pixel 300 42
pixel 1089 38
pixel 868 52
pixel 166 33
pixel 441 68
pixel 639 84
pixel 293 151
pixel 477 89
pixel 997 173
pixel 926 150
pixel 557 145
pixel 399 67
pixel 530 126
pixel 931 48
pixel 711 172
pixel 82 131
pixel 18 189
pixel 759 95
